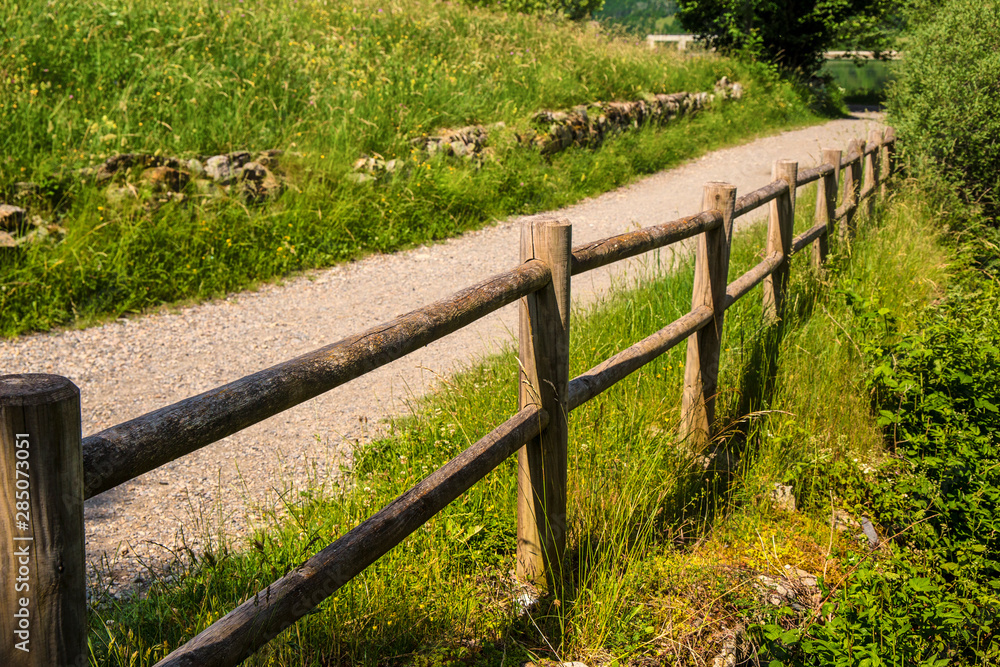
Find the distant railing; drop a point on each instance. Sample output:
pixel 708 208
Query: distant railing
pixel 47 469
pixel 683 40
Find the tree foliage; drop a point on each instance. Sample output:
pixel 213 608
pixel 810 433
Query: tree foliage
pixel 792 33
pixel 946 101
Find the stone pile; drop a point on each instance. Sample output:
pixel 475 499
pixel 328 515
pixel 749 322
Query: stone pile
pixel 469 143
pixel 254 178
pixel 589 125
pixel 17 229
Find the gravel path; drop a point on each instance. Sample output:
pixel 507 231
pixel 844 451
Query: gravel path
pixel 129 367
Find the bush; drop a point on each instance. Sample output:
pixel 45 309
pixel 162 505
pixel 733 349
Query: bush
pixel 793 34
pixel 946 100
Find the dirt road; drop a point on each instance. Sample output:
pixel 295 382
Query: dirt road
pixel 129 367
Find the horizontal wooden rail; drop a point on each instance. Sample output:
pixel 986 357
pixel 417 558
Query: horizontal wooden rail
pixel 610 371
pixel 616 248
pixel 257 621
pixel 844 209
pixel 808 236
pixel 759 197
pixel 128 450
pixel 807 176
pixel 752 278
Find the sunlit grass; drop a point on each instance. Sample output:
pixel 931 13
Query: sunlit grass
pixel 326 82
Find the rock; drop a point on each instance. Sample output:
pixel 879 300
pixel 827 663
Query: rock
pixel 195 167
pixel 843 521
pixel 25 189
pixel 258 183
pixel 269 158
pixel 238 158
pixel 7 241
pixel 12 218
pixel 782 498
pixel 219 169
pixel 869 532
pixel 116 195
pixel 166 179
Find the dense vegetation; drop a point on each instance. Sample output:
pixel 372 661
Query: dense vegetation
pixel 946 101
pixel 793 34
pixel 327 82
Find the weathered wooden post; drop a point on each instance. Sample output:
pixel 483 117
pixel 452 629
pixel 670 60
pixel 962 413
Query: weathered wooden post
pixel 44 598
pixel 852 187
pixel 872 169
pixel 544 378
pixel 888 149
pixel 711 271
pixel 779 238
pixel 826 205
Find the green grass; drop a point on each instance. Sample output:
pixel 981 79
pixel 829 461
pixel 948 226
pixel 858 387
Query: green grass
pixel 659 551
pixel 326 81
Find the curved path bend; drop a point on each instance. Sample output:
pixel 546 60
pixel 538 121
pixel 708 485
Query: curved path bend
pixel 129 367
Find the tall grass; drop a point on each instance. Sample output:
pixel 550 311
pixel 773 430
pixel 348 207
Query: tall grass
pixel 659 549
pixel 326 81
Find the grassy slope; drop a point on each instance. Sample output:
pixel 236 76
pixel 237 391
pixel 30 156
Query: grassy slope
pixel 660 554
pixel 329 80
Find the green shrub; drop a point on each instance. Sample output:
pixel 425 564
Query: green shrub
pixel 792 34
pixel 946 101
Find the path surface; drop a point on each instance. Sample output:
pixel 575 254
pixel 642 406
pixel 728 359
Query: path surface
pixel 129 367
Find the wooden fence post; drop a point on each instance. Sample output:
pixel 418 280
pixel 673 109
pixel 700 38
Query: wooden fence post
pixel 711 273
pixel 826 205
pixel 852 188
pixel 779 238
pixel 44 597
pixel 871 170
pixel 888 147
pixel 544 379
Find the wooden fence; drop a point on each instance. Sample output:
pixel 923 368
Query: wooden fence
pixel 49 469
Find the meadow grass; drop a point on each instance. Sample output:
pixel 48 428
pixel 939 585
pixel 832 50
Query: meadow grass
pixel 661 551
pixel 326 81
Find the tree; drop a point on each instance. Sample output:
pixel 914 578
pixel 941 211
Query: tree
pixel 792 33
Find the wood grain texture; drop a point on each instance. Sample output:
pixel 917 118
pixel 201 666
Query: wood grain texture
pixel 711 271
pixel 872 168
pixel 739 287
pixel 807 176
pixel 236 636
pixel 852 189
pixel 759 197
pixel 826 204
pixel 606 374
pixel 811 235
pixel 43 598
pixel 779 239
pixel 128 450
pixel 543 344
pixel 616 248
pixel 888 156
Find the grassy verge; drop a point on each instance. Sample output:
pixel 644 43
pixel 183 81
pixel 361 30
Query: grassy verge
pixel 663 553
pixel 326 81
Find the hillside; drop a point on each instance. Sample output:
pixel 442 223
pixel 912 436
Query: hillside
pixel 326 84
